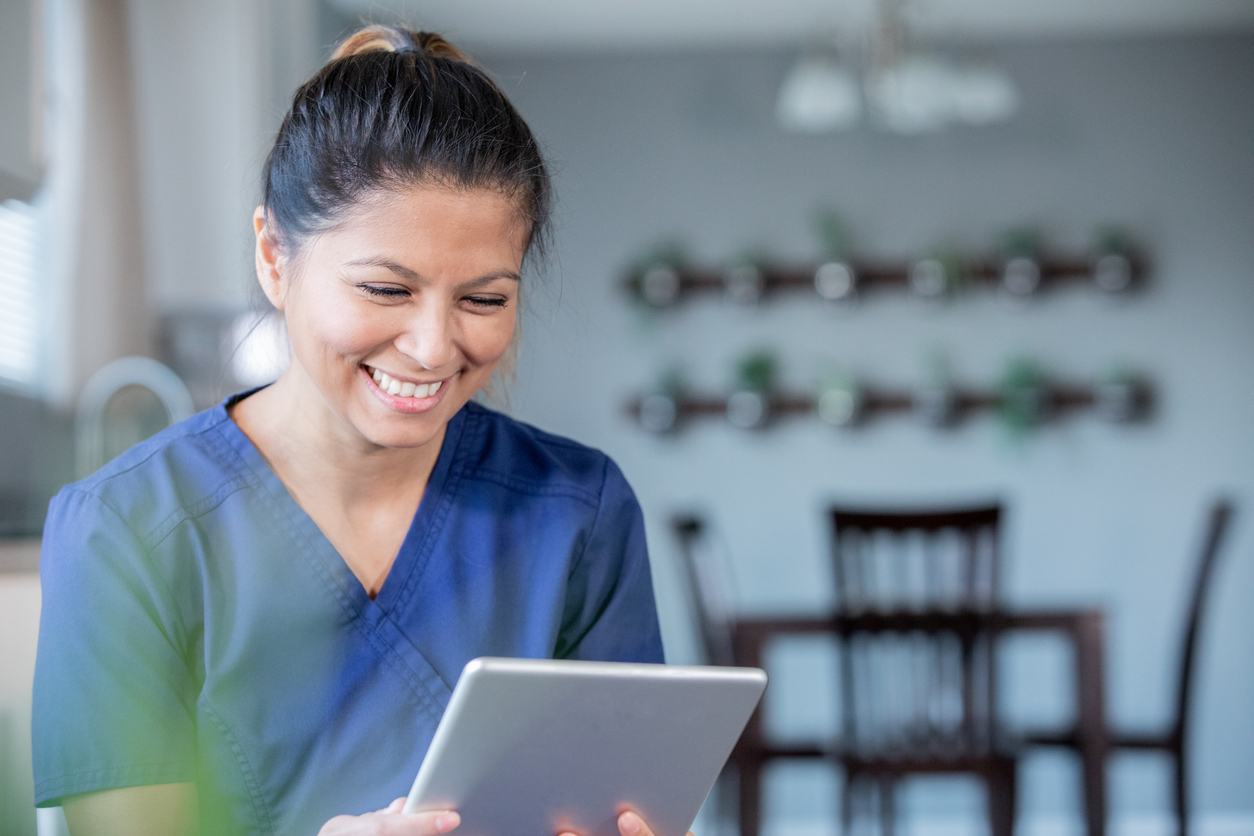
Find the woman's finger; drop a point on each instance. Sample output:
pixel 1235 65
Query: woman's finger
pixel 630 824
pixel 390 823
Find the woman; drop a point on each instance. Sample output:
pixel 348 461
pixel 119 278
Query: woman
pixel 252 622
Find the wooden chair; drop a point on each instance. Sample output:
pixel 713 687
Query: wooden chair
pixel 917 688
pixel 1173 741
pixel 738 791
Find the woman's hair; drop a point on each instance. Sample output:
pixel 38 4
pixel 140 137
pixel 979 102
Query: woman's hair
pixel 392 108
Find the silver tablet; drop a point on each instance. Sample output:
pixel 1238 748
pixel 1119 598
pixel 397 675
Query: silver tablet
pixel 533 747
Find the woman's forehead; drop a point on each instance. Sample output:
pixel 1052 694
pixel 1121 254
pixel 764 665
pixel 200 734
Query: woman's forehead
pixel 428 232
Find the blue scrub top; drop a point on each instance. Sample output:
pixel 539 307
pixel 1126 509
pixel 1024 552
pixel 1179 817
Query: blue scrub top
pixel 198 626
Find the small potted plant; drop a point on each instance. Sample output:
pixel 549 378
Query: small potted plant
pixel 937 276
pixel 1021 265
pixel 841 400
pixel 1025 398
pixel 1114 269
pixel 935 402
pixel 1122 397
pixel 835 279
pixel 660 411
pixel 744 281
pixel 749 405
pixel 657 278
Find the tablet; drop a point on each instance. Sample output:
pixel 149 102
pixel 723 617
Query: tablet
pixel 533 747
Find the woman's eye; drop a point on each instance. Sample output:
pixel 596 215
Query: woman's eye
pixel 384 291
pixel 486 301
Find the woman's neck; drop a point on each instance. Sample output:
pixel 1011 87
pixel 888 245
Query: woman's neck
pixel 313 451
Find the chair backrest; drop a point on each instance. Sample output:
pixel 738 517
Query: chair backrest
pixel 1217 526
pixel 710 589
pixel 916 560
pixel 917 693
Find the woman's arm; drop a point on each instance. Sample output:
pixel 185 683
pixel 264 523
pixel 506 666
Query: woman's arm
pixel 159 810
pixel 170 810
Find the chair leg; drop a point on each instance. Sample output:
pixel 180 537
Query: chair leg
pixel 846 804
pixel 888 804
pixel 1001 800
pixel 1182 795
pixel 748 774
pixel 725 800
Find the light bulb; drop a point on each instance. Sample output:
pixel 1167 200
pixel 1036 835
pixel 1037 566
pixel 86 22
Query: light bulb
pixel 983 95
pixel 818 95
pixel 914 95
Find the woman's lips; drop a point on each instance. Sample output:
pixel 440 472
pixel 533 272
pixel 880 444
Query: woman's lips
pixel 404 396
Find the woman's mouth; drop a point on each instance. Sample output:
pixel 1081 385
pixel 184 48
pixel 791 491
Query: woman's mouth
pixel 405 395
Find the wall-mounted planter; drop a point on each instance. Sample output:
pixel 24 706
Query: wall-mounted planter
pixel 1020 406
pixel 662 285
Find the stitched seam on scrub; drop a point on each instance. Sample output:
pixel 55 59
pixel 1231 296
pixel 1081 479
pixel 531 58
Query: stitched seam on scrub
pixel 470 423
pixel 261 812
pixel 546 438
pixel 179 642
pixel 532 488
pixel 422 695
pixel 90 780
pixel 574 565
pixel 171 523
pixel 243 478
pixel 425 699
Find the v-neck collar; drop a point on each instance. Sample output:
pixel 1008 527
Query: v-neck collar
pixel 419 541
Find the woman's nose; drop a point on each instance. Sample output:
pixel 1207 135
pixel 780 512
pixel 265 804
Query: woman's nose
pixel 429 338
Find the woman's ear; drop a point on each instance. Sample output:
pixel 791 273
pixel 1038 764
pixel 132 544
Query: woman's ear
pixel 270 261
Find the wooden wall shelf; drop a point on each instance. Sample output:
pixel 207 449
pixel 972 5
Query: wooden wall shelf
pixel 1117 402
pixel 663 285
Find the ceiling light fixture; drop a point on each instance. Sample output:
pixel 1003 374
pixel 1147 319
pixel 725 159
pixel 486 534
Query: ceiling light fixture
pixel 819 95
pixel 907 90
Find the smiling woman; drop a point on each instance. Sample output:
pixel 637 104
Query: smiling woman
pixel 253 621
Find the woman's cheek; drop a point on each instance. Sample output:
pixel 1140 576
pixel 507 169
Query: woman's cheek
pixel 351 333
pixel 492 337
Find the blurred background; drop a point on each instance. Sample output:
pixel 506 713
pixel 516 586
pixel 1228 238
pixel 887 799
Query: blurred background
pixel 808 253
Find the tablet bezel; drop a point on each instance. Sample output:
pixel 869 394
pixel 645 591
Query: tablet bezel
pixel 673 728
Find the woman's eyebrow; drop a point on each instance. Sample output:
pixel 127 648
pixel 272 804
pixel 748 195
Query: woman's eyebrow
pixel 379 261
pixel 405 273
pixel 488 279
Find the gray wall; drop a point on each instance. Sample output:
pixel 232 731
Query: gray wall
pixel 1157 135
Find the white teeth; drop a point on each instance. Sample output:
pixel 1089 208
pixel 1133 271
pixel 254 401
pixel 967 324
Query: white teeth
pixel 404 389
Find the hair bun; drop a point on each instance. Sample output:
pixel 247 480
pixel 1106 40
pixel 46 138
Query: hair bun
pixel 380 38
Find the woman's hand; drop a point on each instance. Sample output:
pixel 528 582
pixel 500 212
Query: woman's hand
pixel 390 821
pixel 629 824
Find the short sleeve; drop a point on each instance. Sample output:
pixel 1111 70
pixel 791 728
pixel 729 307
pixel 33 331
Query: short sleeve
pixel 114 703
pixel 610 613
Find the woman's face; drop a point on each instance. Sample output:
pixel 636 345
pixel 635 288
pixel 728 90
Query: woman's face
pixel 400 313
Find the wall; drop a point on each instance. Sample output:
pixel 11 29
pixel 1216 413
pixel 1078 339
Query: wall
pixel 1154 134
pixel 19 154
pixel 19 621
pixel 212 80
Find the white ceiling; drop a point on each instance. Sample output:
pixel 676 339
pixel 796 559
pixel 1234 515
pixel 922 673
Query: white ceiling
pixel 632 24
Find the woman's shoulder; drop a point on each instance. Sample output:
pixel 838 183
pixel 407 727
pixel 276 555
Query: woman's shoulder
pixel 505 450
pixel 177 470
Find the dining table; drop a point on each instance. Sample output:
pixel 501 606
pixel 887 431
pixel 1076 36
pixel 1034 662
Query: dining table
pixel 1083 628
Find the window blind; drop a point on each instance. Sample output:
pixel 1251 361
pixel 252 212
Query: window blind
pixel 19 302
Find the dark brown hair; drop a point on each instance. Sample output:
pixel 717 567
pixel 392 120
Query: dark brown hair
pixel 395 107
